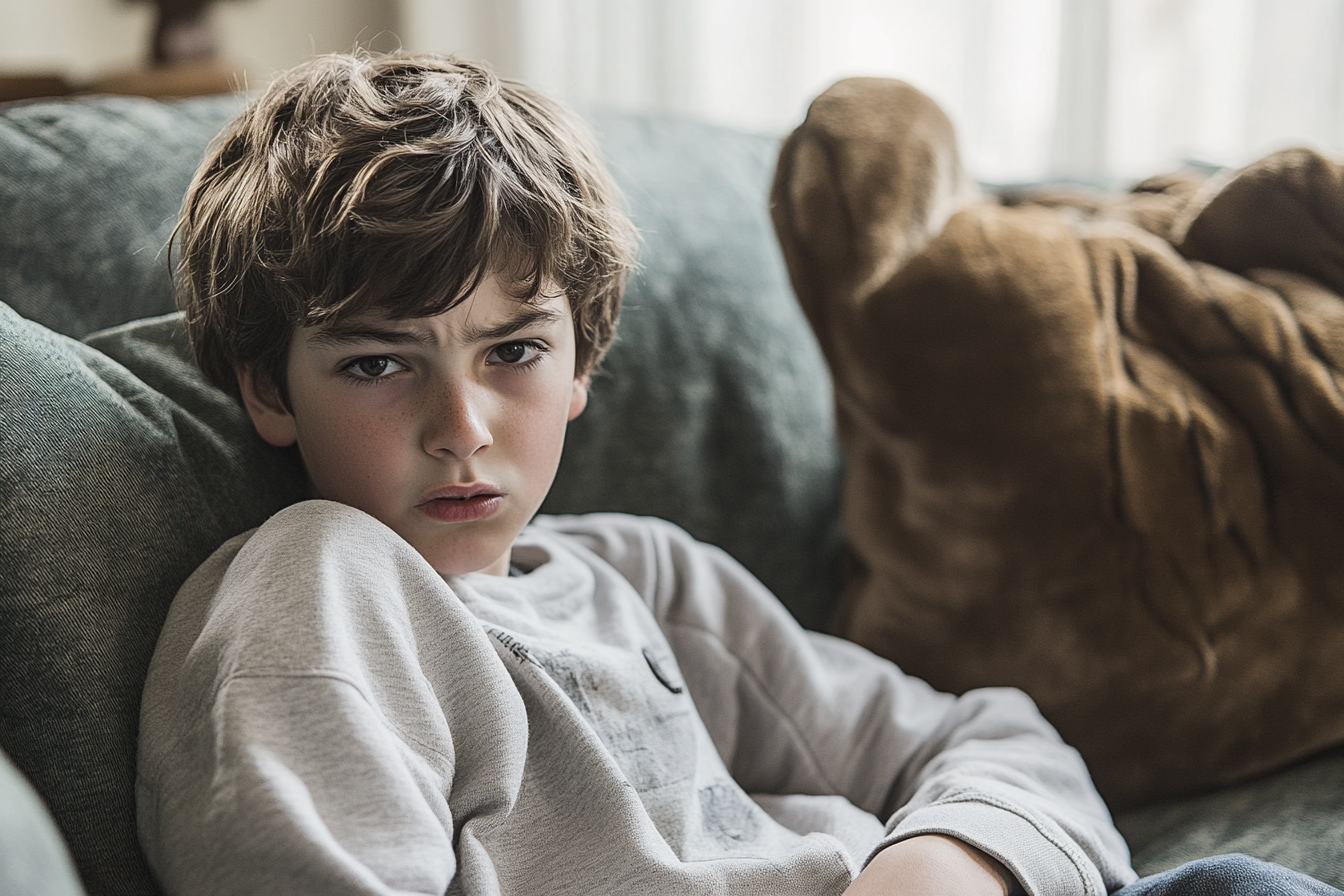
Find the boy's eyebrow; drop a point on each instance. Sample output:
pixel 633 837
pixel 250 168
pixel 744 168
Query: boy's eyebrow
pixel 527 316
pixel 358 331
pixel 344 334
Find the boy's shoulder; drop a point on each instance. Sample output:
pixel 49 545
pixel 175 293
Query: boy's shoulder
pixel 624 540
pixel 666 564
pixel 610 525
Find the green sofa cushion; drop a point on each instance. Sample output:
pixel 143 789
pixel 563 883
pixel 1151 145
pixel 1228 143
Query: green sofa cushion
pixel 1294 817
pixel 713 408
pixel 113 487
pixel 90 190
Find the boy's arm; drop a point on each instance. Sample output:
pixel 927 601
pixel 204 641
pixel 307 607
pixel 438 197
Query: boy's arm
pixel 795 712
pixel 290 741
pixel 307 795
pixel 933 865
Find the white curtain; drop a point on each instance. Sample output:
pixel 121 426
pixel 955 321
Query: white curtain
pixel 1102 91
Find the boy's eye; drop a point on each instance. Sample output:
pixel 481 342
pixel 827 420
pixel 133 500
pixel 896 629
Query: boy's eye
pixel 373 367
pixel 515 353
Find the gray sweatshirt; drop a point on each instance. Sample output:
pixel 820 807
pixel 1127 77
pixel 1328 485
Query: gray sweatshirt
pixel 633 714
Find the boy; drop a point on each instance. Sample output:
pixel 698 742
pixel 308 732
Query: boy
pixel 408 269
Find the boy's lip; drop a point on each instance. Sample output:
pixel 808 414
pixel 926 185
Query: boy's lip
pixel 461 492
pixel 461 503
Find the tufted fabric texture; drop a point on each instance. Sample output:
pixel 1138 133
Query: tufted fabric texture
pixel 1095 444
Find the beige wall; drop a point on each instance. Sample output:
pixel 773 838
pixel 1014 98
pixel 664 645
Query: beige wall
pixel 474 29
pixel 86 39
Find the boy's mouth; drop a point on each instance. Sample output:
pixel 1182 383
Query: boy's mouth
pixel 461 504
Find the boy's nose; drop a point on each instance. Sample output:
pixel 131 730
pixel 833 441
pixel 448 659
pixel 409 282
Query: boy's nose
pixel 456 421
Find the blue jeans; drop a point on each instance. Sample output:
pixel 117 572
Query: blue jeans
pixel 1230 875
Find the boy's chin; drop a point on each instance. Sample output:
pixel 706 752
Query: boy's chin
pixel 459 561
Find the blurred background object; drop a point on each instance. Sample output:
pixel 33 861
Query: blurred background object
pixel 176 47
pixel 182 32
pixel 183 58
pixel 1098 91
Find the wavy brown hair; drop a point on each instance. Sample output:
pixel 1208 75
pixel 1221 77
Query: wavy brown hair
pixel 393 183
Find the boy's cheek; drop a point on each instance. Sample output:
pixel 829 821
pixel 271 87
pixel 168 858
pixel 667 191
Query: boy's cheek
pixel 346 464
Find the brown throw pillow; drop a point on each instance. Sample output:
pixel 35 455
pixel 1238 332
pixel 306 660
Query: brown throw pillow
pixel 1095 444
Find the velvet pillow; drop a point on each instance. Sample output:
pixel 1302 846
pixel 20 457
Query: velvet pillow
pixel 1095 443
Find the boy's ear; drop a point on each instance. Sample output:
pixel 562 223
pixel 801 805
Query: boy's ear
pixel 273 420
pixel 578 399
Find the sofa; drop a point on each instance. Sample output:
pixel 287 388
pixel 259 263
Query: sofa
pixel 121 469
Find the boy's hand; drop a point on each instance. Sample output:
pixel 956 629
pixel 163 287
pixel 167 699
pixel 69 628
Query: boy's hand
pixel 932 865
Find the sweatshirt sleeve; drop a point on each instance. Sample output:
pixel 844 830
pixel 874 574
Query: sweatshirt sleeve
pixel 794 711
pixel 310 793
pixel 290 741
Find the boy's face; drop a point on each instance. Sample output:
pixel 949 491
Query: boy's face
pixel 448 429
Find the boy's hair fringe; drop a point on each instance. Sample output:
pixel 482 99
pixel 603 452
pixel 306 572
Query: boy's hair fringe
pixel 396 183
